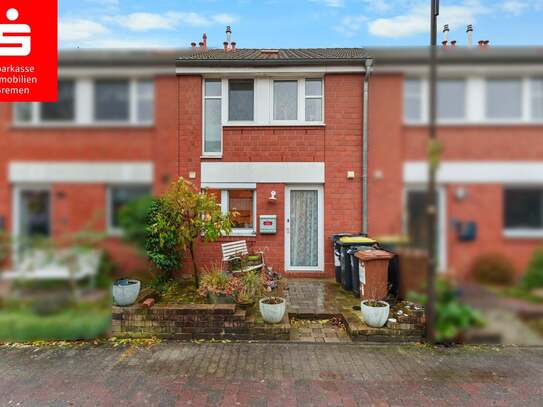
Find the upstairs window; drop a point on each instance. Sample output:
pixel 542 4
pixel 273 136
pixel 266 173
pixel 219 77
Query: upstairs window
pixel 212 117
pixel 523 209
pixel 145 111
pixel 537 99
pixel 412 100
pixel 285 100
pixel 451 99
pixel 313 100
pixel 504 99
pixel 111 100
pixel 241 100
pixel 64 108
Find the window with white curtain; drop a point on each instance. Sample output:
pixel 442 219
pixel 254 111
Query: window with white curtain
pixel 412 100
pixel 451 99
pixel 503 99
pixel 212 117
pixel 537 98
pixel 285 100
pixel 313 100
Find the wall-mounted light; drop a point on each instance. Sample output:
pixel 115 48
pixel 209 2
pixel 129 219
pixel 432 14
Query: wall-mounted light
pixel 273 196
pixel 461 193
pixel 350 174
pixel 192 174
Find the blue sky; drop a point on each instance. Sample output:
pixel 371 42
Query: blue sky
pixel 292 23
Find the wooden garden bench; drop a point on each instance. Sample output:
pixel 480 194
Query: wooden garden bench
pixel 233 251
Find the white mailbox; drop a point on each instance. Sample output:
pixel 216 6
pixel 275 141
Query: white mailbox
pixel 268 224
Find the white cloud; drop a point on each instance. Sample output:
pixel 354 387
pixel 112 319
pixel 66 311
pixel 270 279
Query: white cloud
pixel 330 3
pixel 515 7
pixel 79 29
pixel 379 6
pixel 225 18
pixel 417 19
pixel 350 25
pixel 169 20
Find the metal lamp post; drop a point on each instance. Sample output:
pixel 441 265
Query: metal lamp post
pixel 431 209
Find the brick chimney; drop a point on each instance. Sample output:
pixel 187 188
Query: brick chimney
pixel 193 45
pixel 204 37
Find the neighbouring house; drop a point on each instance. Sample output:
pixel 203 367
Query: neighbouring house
pixel 277 136
pixel 69 166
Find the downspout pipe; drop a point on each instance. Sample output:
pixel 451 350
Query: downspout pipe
pixel 365 115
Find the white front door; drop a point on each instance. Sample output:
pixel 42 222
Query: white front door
pixel 304 228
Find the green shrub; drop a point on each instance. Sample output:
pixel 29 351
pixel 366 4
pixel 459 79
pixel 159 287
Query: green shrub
pixel 452 317
pixel 161 238
pixel 533 277
pixel 133 220
pixel 495 269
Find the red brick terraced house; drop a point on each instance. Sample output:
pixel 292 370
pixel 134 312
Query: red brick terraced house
pixel 69 166
pixel 277 135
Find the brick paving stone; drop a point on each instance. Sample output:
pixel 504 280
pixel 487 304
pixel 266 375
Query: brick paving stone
pixel 271 374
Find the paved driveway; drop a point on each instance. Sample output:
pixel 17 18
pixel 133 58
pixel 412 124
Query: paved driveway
pixel 263 374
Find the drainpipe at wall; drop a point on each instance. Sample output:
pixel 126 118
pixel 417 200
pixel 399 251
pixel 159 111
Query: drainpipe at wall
pixel 367 75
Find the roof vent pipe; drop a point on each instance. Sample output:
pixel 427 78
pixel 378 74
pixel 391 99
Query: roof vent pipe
pixel 446 33
pixel 469 32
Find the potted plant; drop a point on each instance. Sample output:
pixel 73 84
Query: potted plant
pixel 219 287
pixel 273 307
pixel 250 288
pixel 125 291
pixel 375 312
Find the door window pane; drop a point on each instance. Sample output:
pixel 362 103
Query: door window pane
pixel 111 100
pixel 523 208
pixel 412 100
pixel 120 196
pixel 34 218
pixel 451 99
pixel 241 100
pixel 240 202
pixel 145 104
pixel 285 100
pixel 64 108
pixel 213 88
pixel 503 99
pixel 304 228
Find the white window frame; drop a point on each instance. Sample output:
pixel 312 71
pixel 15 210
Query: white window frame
pixel 522 232
pixel 112 230
pixel 465 113
pixel 423 101
pixel 306 97
pixel 263 108
pixel 225 210
pixel 206 154
pixel 300 102
pixel 226 103
pixel 84 106
pixel 476 102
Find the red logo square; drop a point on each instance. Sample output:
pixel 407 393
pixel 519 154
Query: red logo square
pixel 28 51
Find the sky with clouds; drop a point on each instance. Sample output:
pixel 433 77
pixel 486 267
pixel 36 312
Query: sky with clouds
pixel 291 23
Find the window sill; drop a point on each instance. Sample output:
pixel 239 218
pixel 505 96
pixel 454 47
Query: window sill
pixel 464 123
pixel 523 233
pixel 94 125
pixel 243 233
pixel 213 157
pixel 276 124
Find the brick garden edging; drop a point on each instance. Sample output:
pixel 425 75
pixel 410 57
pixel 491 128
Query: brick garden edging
pixel 194 321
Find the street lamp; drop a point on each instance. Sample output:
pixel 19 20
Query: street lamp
pixel 433 159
